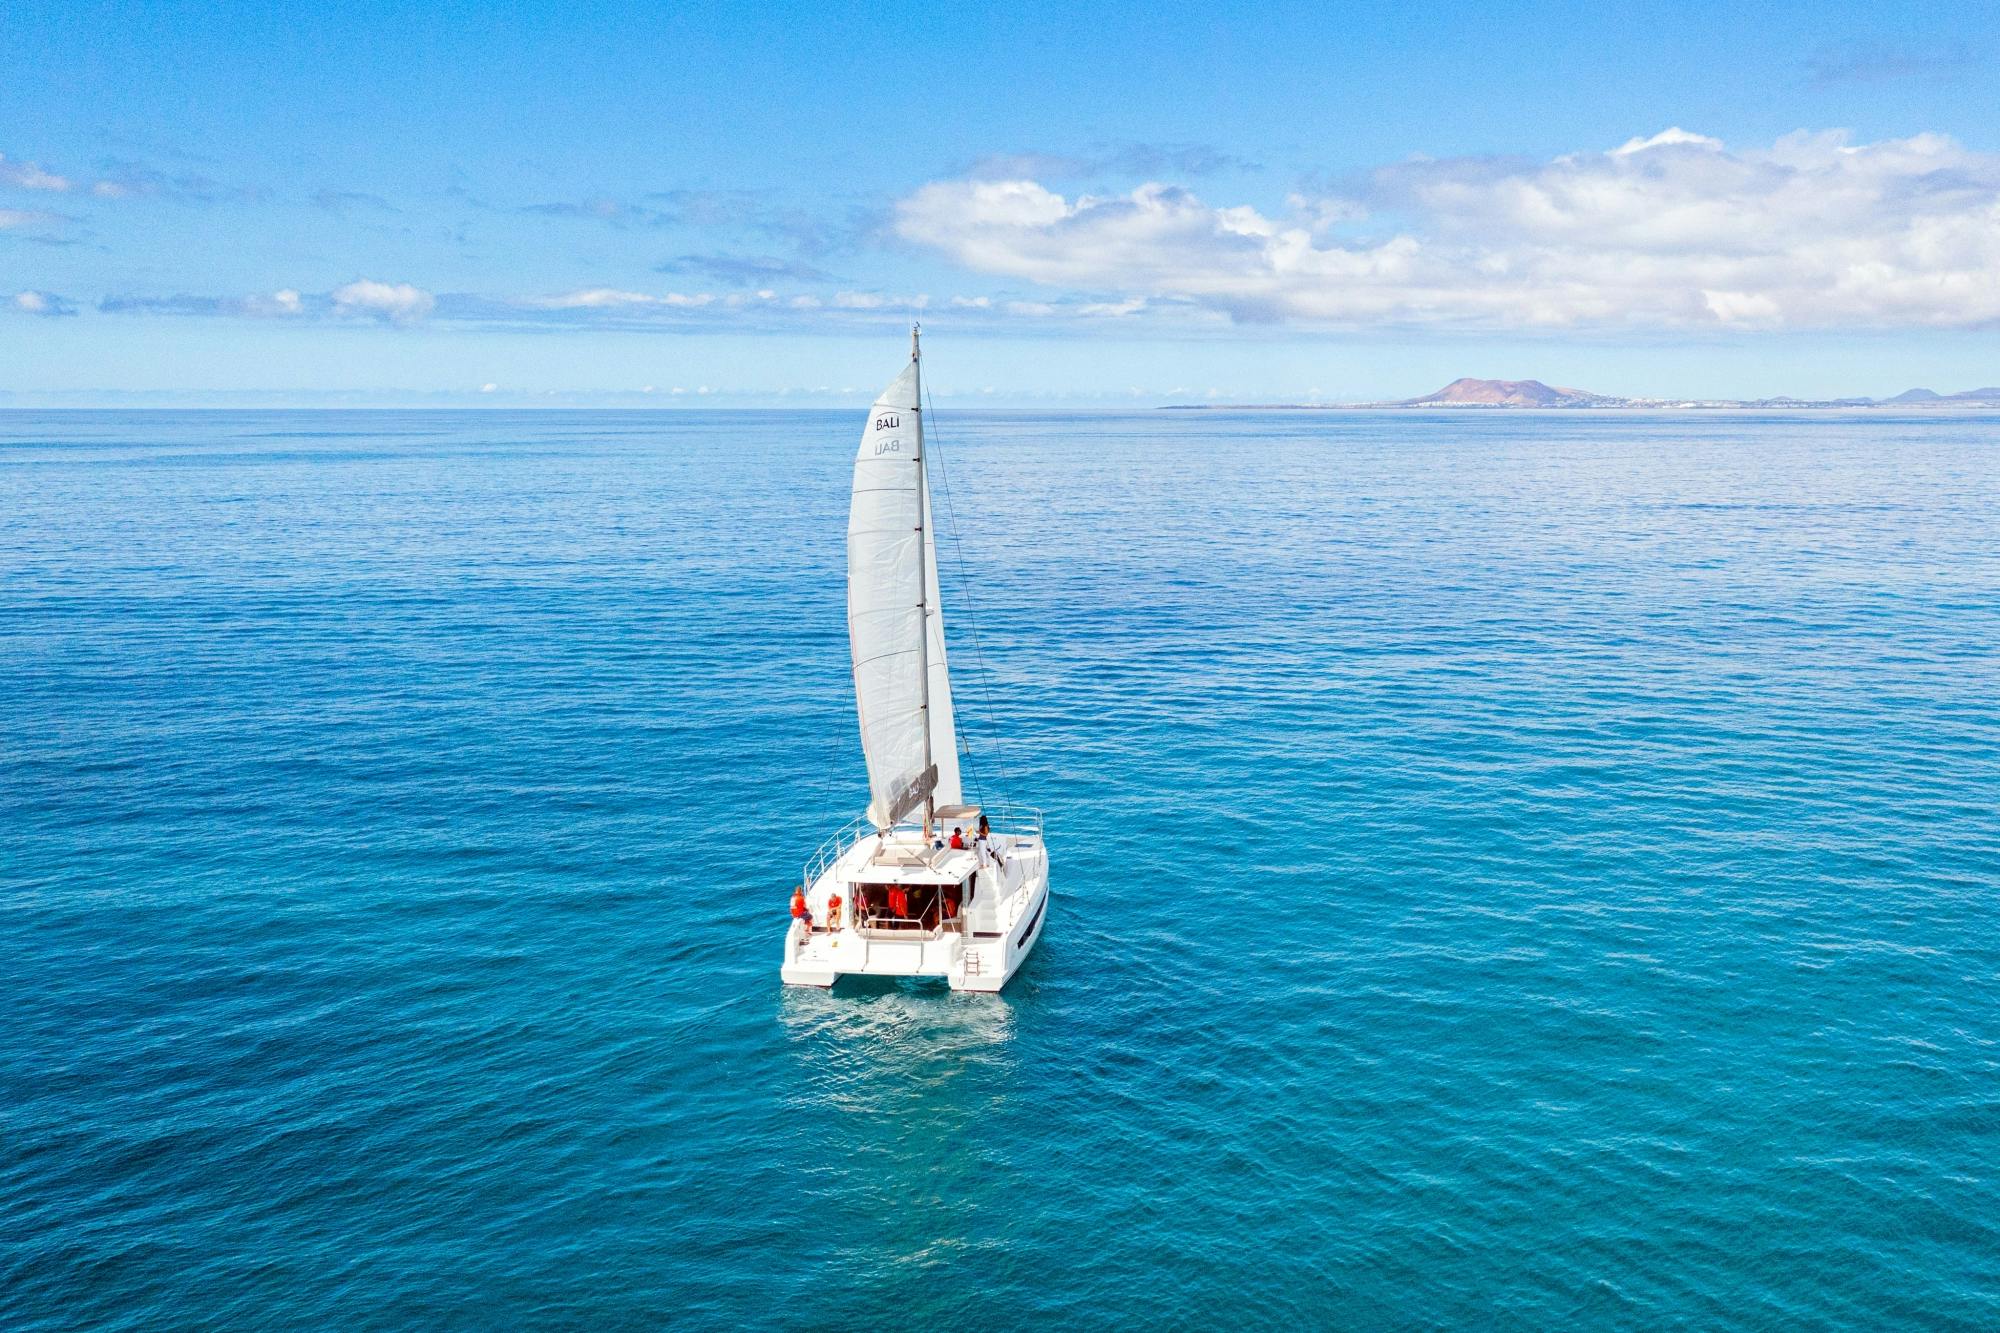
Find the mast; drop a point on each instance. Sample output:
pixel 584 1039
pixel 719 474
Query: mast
pixel 923 588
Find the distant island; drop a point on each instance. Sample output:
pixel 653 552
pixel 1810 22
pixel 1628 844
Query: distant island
pixel 1472 393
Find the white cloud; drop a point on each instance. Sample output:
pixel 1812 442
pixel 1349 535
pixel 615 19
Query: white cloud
pixel 489 387
pixel 397 303
pixel 591 307
pixel 878 301
pixel 596 298
pixel 1675 230
pixel 278 305
pixel 611 298
pixel 28 176
pixel 1670 136
pixel 24 219
pixel 1745 308
pixel 43 303
pixel 127 179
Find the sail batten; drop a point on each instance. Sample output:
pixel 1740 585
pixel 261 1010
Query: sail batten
pixel 895 626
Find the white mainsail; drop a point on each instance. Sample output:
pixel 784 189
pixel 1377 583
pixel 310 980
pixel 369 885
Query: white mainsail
pixel 895 626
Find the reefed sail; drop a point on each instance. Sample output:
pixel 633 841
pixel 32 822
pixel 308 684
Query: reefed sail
pixel 895 627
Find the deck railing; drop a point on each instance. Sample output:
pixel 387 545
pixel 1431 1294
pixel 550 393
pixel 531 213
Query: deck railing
pixel 884 927
pixel 835 847
pixel 1019 820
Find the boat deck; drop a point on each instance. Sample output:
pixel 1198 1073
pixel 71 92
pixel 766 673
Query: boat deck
pixel 903 910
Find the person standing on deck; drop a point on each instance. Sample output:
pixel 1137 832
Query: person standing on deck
pixel 989 850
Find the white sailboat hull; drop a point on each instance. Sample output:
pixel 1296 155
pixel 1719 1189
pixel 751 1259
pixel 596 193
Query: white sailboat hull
pixel 980 949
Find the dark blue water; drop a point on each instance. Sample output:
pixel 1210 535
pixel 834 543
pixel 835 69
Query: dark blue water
pixel 1512 870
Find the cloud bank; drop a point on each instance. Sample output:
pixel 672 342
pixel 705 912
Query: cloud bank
pixel 1672 231
pixel 123 179
pixel 404 305
pixel 1667 232
pixel 389 303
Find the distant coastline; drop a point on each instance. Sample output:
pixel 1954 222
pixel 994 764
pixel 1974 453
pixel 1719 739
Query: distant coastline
pixel 1477 394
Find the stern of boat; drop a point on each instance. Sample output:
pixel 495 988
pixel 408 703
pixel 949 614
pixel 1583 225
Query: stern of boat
pixel 803 964
pixel 994 915
pixel 989 958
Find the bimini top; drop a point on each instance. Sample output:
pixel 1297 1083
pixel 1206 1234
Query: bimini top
pixel 897 861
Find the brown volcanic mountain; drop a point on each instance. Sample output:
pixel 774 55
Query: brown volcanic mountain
pixel 1507 393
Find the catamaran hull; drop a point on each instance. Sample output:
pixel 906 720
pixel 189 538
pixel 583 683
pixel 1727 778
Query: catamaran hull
pixel 978 961
pixel 1013 946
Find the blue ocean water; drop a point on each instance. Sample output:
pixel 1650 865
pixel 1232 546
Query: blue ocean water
pixel 1512 870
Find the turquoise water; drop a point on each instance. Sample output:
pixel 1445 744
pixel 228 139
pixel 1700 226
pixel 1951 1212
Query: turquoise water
pixel 1511 870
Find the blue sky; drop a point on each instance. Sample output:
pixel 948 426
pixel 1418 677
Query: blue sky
pixel 1084 204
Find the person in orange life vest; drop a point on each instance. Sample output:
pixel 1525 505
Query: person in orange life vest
pixel 799 909
pixel 833 912
pixel 899 901
pixel 958 840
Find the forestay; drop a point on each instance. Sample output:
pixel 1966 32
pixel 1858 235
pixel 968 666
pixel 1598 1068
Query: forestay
pixel 895 626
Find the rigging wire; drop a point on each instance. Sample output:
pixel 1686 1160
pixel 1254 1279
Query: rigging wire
pixel 971 615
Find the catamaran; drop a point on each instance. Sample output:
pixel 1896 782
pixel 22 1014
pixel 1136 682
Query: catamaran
pixel 923 884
